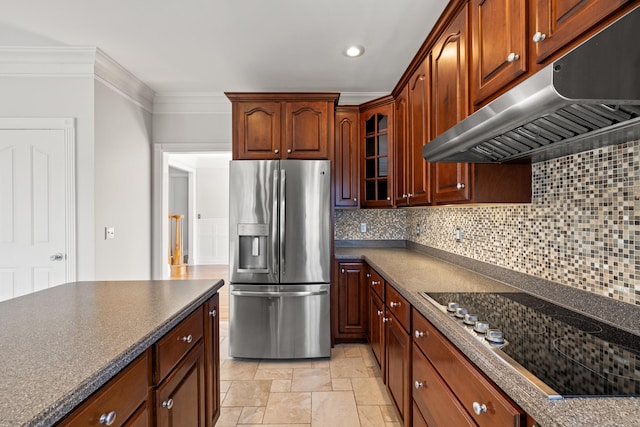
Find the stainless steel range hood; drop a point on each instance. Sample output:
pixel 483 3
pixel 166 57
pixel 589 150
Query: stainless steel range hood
pixel 587 99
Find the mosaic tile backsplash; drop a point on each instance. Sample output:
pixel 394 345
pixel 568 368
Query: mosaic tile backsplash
pixel 582 228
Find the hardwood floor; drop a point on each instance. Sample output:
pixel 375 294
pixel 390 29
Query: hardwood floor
pixel 217 271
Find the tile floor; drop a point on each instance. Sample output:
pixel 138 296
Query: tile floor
pixel 343 391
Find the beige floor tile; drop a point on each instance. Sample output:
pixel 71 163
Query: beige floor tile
pixel 370 391
pixel 280 386
pixel 353 350
pixel 284 364
pixel 273 373
pixel 336 408
pixel 248 393
pixel 287 408
pixel 320 363
pixel 389 414
pixel 386 425
pixel 337 352
pixel 224 386
pixel 228 417
pixel 374 372
pixel 251 415
pixel 238 369
pixel 224 348
pixel 312 379
pixel 274 425
pixel 368 358
pixel 348 368
pixel 370 416
pixel 341 384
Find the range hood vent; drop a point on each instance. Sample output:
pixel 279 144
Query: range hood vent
pixel 587 99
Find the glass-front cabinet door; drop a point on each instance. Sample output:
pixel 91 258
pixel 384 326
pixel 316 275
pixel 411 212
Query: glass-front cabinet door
pixel 377 133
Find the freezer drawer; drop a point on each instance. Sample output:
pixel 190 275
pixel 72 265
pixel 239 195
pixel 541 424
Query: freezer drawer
pixel 279 321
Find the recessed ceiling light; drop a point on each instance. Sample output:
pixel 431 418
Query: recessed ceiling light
pixel 354 51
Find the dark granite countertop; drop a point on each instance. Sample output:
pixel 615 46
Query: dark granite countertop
pixel 418 269
pixel 60 345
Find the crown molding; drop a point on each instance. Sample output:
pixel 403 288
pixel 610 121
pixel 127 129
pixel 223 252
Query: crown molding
pixel 75 61
pixel 191 103
pixel 357 98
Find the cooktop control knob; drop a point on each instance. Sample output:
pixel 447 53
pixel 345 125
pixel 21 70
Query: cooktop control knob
pixel 494 336
pixel 470 319
pixel 481 327
pixel 452 307
pixel 461 312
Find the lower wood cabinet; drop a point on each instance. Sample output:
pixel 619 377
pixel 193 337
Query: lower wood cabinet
pixel 180 398
pixel 398 366
pixel 175 382
pixel 350 304
pixel 376 330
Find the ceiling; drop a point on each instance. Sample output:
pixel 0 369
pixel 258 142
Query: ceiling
pixel 214 46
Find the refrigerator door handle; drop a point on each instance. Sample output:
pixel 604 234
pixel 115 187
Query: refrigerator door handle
pixel 274 227
pixel 278 294
pixel 283 202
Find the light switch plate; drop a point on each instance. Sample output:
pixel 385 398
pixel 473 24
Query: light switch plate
pixel 109 233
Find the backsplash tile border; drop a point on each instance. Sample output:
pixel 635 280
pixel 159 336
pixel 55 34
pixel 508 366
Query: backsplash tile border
pixel 581 230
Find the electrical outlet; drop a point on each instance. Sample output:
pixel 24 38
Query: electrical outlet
pixel 417 229
pixel 459 235
pixel 363 227
pixel 109 233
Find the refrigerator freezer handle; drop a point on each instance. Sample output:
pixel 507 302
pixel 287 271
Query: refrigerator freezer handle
pixel 283 202
pixel 274 225
pixel 278 294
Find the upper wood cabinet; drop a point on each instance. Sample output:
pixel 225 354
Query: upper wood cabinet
pixel 559 22
pixel 412 116
pixel 346 176
pixel 450 100
pixel 498 45
pixel 282 125
pixel 376 132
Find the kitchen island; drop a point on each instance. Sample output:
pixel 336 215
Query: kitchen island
pixel 60 345
pixel 420 269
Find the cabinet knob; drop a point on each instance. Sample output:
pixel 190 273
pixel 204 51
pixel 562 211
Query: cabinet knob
pixel 108 419
pixel 513 57
pixel 479 408
pixel 368 275
pixel 538 37
pixel 409 195
pixel 389 198
pixel 213 313
pixel 276 151
pixel 394 304
pixel 380 312
pixel 186 339
pixel 418 334
pixel 385 319
pixel 459 186
pixel 419 384
pixel 289 151
pixel 404 196
pixel 168 404
pixel 355 200
pixel 342 271
pixel 375 282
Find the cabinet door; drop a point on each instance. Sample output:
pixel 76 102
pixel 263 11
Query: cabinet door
pixel 401 148
pixel 450 105
pixel 347 158
pixel 562 21
pixel 307 130
pixel 499 45
pixel 376 330
pixel 212 359
pixel 352 300
pixel 180 398
pixel 398 366
pixel 419 171
pixel 256 126
pixel 377 133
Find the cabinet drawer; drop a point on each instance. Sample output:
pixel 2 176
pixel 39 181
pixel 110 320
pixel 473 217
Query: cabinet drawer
pixel 436 403
pixel 173 346
pixel 375 282
pixel 399 306
pixel 465 380
pixel 120 397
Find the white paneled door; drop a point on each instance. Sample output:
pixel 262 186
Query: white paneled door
pixel 33 193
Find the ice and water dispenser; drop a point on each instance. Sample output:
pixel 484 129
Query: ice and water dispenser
pixel 253 248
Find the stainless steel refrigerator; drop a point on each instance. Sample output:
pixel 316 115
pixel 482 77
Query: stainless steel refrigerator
pixel 279 267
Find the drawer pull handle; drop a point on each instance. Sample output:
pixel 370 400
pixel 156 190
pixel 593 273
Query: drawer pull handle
pixel 213 313
pixel 478 408
pixel 419 334
pixel 186 339
pixel 418 384
pixel 394 304
pixel 375 282
pixel 108 419
pixel 168 404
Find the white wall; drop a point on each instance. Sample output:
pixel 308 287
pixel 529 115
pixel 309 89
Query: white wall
pixel 123 186
pixel 212 188
pixel 73 97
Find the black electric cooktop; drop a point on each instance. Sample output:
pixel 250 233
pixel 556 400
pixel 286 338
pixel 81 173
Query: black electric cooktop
pixel 574 355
